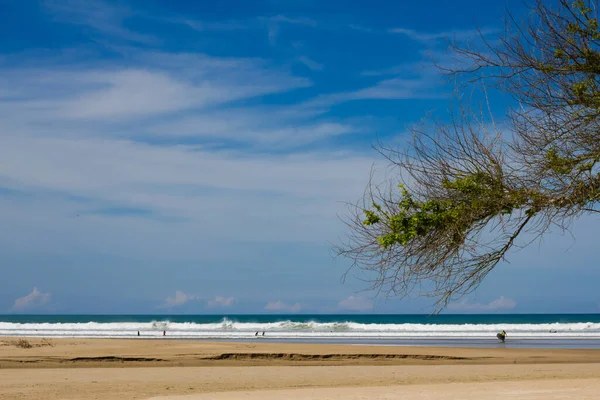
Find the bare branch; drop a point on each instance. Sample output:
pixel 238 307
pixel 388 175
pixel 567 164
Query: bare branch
pixel 469 193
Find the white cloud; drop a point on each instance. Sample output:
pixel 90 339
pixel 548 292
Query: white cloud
pixel 126 172
pixel 360 28
pixel 247 126
pixel 424 86
pixel 356 303
pixel 203 26
pixel 457 34
pixel 165 84
pixel 311 64
pixel 501 303
pixel 296 21
pixel 406 70
pixel 273 25
pixel 33 301
pixel 294 198
pixel 106 18
pixel 133 93
pixel 96 151
pixel 398 88
pixel 273 33
pixel 179 299
pixel 220 301
pixel 281 306
pixel 158 138
pixel 183 95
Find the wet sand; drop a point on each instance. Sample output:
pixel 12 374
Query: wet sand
pixel 166 369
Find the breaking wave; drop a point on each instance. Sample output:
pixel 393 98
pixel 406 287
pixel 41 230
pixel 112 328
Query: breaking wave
pixel 287 329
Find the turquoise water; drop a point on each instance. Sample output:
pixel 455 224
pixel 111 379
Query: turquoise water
pixel 524 330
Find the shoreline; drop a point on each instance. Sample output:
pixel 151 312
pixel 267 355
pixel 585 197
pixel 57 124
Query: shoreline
pixel 86 353
pixel 582 343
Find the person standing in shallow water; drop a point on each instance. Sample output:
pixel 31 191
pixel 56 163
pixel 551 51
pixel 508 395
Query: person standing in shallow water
pixel 501 336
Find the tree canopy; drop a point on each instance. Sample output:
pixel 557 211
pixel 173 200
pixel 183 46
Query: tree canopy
pixel 467 192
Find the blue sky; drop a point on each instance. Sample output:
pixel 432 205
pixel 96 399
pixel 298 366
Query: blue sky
pixel 193 156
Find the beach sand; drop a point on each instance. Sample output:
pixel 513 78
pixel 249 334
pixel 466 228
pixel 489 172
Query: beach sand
pixel 181 370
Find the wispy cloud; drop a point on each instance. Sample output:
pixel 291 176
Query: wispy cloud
pixel 457 35
pixel 200 187
pixel 106 18
pixel 35 300
pixel 165 84
pixel 360 28
pixel 356 303
pixel 177 95
pixel 273 33
pixel 174 141
pixel 501 303
pixel 177 137
pixel 164 99
pixel 425 70
pixel 398 88
pixel 311 64
pixel 274 25
pixel 246 126
pixel 220 301
pixel 296 21
pixel 245 24
pixel 203 26
pixel 283 307
pixel 402 69
pixel 426 86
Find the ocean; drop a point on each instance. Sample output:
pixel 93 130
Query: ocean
pixel 523 330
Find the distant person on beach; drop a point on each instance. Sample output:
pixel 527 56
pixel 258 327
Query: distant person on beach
pixel 164 333
pixel 256 334
pixel 263 333
pixel 501 335
pixel 138 333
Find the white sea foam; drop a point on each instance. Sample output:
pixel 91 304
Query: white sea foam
pixel 227 329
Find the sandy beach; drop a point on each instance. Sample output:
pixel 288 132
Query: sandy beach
pixel 186 370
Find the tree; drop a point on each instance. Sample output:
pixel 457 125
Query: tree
pixel 469 192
